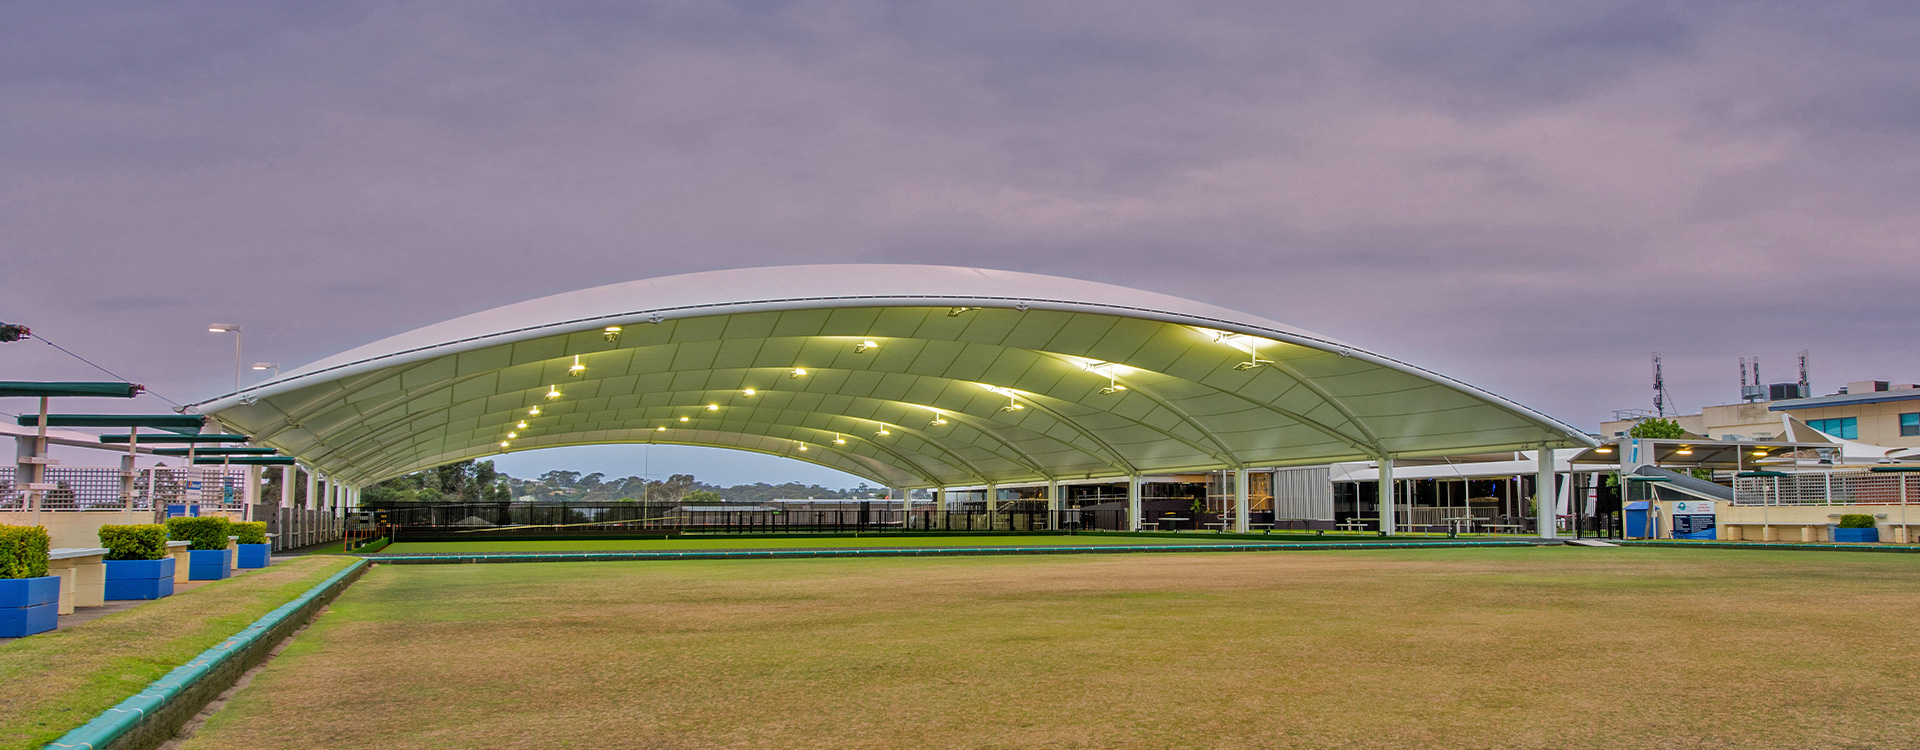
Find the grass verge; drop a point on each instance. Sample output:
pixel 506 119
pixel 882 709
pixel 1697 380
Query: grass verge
pixel 60 680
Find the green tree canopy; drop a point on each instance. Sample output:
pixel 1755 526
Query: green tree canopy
pixel 1657 428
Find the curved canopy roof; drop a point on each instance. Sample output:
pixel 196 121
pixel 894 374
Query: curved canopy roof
pixel 911 376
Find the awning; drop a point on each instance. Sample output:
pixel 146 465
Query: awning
pixel 33 389
pixel 206 438
pixel 182 423
pixel 245 461
pixel 213 451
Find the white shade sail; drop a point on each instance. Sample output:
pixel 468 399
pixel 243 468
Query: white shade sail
pixel 911 376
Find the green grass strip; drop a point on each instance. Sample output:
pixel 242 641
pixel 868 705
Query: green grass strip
pixel 780 554
pixel 56 681
pixel 107 727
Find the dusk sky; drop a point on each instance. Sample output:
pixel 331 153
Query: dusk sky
pixel 1529 197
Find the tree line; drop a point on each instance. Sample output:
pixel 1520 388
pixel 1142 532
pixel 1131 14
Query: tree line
pixel 478 481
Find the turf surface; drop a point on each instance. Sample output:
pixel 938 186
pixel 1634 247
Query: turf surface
pixel 843 542
pixel 56 681
pixel 1485 648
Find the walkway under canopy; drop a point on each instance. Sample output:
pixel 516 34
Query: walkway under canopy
pixel 910 376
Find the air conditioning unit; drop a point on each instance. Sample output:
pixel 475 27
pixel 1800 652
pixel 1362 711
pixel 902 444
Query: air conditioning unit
pixel 1784 391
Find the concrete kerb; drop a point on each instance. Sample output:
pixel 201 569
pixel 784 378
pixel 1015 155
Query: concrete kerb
pixel 501 557
pixel 155 714
pixel 1768 545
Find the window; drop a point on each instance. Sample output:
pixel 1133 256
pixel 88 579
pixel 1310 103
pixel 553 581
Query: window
pixel 1845 428
pixel 1910 425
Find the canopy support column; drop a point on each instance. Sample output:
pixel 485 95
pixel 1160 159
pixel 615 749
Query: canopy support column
pixel 1055 505
pixel 1240 512
pixel 1544 496
pixel 313 490
pixel 287 475
pixel 128 473
pixel 1387 495
pixel 250 494
pixel 1133 502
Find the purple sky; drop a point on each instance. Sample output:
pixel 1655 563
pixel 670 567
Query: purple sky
pixel 1530 197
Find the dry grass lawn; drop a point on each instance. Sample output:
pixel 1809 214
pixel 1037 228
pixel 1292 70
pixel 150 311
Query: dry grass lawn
pixel 1479 648
pixel 53 682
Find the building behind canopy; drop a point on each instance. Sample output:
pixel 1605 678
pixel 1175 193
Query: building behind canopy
pixel 910 376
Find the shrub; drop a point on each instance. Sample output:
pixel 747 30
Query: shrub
pixel 373 546
pixel 1856 521
pixel 205 533
pixel 141 541
pixel 251 532
pixel 23 551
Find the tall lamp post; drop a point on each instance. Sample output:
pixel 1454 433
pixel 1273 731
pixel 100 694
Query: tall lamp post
pixel 235 330
pixel 274 366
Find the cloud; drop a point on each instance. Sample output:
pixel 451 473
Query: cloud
pixel 1531 197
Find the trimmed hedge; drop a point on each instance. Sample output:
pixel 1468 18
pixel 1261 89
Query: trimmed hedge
pixel 141 541
pixel 251 532
pixel 23 551
pixel 372 547
pixel 1856 521
pixel 205 533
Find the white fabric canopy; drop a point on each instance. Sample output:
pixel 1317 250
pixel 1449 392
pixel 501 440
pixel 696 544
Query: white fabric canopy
pixel 915 376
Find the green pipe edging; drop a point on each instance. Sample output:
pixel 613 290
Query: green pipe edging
pixel 152 716
pixel 490 557
pixel 1825 546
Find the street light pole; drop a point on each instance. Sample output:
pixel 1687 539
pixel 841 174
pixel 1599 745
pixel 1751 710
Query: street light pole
pixel 235 330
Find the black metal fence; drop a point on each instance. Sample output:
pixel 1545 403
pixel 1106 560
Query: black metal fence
pixel 422 522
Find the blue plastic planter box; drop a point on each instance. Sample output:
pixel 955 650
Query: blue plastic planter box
pixel 209 564
pixel 139 579
pixel 29 605
pixel 1856 535
pixel 255 555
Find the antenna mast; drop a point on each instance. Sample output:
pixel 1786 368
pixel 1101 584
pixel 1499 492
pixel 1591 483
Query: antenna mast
pixel 1660 397
pixel 1806 386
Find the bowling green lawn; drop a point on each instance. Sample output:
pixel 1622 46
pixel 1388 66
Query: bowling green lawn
pixel 1545 647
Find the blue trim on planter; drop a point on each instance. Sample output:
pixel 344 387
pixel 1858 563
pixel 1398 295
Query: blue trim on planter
pixel 209 564
pixel 131 569
pixel 255 555
pixel 29 605
pixel 139 579
pixel 1856 535
pixel 139 588
pixel 29 592
pixel 19 622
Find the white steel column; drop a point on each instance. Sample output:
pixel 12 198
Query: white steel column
pixel 1544 496
pixel 1133 502
pixel 313 490
pixel 1387 495
pixel 993 497
pixel 939 499
pixel 287 475
pixel 1055 504
pixel 128 472
pixel 1240 510
pixel 250 493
